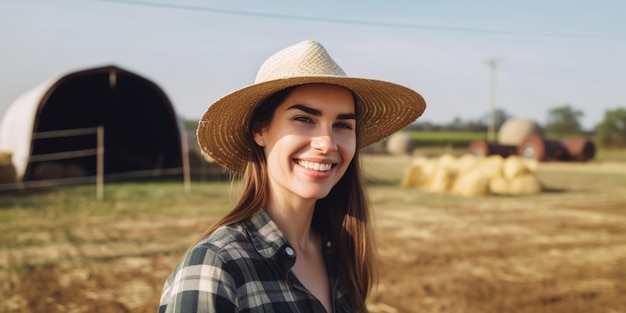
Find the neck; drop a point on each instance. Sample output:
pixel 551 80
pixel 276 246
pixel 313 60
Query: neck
pixel 294 221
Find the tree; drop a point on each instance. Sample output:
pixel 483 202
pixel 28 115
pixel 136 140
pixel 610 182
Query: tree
pixel 499 116
pixel 564 120
pixel 611 132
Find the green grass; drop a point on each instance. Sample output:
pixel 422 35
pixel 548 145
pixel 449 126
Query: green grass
pixel 450 139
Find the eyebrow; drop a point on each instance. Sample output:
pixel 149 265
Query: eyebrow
pixel 316 112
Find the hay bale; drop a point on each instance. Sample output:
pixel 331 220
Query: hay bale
pixel 499 185
pixel 412 177
pixel 400 144
pixel 471 184
pixel 443 173
pixel 442 180
pixel 48 170
pixel 467 162
pixel 527 184
pixel 513 131
pixel 579 149
pixel 8 174
pixel 514 166
pixel 491 165
pixel 5 156
pixel 74 170
pixel 417 173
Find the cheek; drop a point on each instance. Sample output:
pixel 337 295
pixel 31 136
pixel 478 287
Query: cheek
pixel 348 146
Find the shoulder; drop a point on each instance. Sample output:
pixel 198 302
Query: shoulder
pixel 225 244
pixel 208 272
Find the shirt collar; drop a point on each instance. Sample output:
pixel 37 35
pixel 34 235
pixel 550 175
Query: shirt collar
pixel 265 235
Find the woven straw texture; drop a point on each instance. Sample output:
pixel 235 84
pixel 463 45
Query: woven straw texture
pixel 383 107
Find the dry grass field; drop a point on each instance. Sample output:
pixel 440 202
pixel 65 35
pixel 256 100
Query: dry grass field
pixel 563 250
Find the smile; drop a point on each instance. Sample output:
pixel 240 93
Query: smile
pixel 322 167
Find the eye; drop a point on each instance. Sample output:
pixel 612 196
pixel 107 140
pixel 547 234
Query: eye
pixel 304 119
pixel 344 125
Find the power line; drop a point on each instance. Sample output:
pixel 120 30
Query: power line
pixel 354 22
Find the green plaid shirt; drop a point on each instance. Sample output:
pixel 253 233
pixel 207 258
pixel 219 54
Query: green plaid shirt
pixel 246 267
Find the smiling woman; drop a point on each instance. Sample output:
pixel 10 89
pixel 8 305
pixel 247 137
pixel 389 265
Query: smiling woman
pixel 298 240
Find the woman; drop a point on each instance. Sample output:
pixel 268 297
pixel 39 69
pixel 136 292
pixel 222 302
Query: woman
pixel 298 240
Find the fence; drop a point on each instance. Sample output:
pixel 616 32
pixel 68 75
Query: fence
pixel 98 151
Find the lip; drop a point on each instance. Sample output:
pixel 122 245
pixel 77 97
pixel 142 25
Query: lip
pixel 312 171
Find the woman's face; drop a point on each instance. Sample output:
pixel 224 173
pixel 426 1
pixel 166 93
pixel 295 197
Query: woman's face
pixel 310 141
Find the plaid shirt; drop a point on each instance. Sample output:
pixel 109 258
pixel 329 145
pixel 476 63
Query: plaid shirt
pixel 246 267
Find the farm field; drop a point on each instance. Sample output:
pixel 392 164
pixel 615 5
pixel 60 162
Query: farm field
pixel 563 250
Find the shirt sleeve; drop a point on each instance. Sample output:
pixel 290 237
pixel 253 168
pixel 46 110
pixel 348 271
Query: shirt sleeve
pixel 201 283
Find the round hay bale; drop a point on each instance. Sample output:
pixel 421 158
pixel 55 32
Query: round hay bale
pixel 481 148
pixel 7 170
pixel 579 149
pixel 471 184
pixel 540 149
pixel 8 174
pixel 5 156
pixel 74 170
pixel 514 131
pixel 400 144
pixel 514 166
pixel 527 184
pixel 48 170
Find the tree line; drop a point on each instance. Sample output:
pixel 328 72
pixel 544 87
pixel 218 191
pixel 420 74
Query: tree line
pixel 562 121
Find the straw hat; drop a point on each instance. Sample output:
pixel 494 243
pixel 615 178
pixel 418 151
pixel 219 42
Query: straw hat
pixel 383 107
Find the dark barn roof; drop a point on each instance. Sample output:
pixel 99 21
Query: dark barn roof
pixel 141 128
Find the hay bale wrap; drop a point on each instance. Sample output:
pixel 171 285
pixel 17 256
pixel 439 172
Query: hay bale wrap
pixel 514 131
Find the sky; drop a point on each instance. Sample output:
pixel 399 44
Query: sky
pixel 545 54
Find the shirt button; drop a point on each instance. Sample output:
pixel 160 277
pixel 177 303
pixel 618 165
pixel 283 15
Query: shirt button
pixel 289 251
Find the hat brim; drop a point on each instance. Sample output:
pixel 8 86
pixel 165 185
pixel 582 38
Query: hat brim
pixel 383 108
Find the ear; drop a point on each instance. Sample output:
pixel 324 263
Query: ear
pixel 259 139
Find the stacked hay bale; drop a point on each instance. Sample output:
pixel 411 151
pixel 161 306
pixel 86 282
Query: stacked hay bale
pixel 473 176
pixel 7 170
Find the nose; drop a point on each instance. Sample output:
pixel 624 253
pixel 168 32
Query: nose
pixel 324 143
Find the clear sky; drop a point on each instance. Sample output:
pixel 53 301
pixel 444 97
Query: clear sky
pixel 548 53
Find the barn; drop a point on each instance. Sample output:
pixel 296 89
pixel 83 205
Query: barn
pixel 51 130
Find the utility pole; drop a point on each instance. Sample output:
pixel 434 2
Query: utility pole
pixel 491 124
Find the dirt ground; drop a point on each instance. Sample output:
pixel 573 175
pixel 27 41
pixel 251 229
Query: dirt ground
pixel 563 250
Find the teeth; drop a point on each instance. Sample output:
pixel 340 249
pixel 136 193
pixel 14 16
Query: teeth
pixel 322 167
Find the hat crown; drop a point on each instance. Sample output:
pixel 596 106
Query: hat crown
pixel 307 58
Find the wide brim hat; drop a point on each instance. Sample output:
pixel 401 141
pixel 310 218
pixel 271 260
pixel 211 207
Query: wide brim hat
pixel 224 131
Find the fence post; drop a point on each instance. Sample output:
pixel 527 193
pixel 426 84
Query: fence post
pixel 100 164
pixel 186 169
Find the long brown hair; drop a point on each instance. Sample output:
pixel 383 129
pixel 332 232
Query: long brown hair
pixel 343 215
